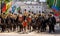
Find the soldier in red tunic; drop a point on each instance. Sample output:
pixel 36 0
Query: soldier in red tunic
pixel 29 22
pixel 25 25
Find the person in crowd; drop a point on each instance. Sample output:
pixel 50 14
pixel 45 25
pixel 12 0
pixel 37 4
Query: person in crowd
pixel 8 22
pixel 20 20
pixel 29 18
pixel 32 14
pixel 19 11
pixel 25 14
pixel 25 23
pixel 33 23
pixel 38 21
pixel 44 22
pixel 1 23
pixel 52 22
pixel 14 23
pixel 11 18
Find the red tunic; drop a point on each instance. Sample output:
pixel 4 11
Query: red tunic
pixel 21 18
pixel 24 24
pixel 29 19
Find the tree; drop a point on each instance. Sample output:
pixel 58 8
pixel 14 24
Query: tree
pixel 58 3
pixel 51 2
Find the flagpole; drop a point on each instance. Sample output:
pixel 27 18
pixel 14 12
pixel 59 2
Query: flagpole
pixel 56 3
pixel 1 6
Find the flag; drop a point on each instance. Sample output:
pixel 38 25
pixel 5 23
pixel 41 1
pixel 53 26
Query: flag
pixel 13 9
pixel 3 8
pixel 18 9
pixel 56 13
pixel 8 5
pixel 55 6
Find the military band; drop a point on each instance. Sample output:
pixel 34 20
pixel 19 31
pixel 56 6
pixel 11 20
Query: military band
pixel 27 21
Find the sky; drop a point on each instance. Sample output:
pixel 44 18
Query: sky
pixel 42 0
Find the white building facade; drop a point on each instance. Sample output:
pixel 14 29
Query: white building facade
pixel 31 5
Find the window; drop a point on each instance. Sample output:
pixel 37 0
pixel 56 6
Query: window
pixel 28 7
pixel 37 7
pixel 32 7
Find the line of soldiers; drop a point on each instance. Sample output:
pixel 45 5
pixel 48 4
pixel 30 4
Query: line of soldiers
pixel 30 21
